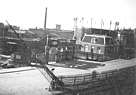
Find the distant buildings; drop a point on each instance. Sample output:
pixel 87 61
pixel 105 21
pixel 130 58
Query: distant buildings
pixel 54 32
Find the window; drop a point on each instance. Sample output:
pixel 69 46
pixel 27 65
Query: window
pixel 87 39
pixel 93 40
pixel 109 41
pixel 98 40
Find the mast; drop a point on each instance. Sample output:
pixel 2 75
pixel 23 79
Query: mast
pixel 46 45
pixel 75 28
pixel 91 22
pixel 54 78
pixel 45 21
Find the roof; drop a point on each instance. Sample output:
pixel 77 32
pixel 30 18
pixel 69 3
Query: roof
pixel 65 34
pixel 100 31
pixel 97 35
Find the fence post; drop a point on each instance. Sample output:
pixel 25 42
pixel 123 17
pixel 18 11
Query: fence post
pixel 74 80
pixel 84 79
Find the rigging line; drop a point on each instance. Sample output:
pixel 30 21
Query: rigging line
pixel 43 74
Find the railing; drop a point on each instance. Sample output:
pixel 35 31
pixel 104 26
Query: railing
pixel 94 79
pixel 85 78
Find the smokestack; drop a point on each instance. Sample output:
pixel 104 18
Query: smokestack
pixel 45 19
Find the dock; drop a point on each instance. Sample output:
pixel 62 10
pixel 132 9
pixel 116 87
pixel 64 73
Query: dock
pixel 115 76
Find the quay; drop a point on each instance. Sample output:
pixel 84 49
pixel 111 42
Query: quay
pixel 116 77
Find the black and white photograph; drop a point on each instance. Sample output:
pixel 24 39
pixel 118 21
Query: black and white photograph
pixel 67 47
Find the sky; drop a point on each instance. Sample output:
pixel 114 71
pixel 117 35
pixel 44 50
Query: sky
pixel 31 13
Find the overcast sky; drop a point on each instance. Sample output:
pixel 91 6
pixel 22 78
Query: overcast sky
pixel 31 13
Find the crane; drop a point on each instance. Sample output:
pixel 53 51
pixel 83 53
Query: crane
pixel 56 83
